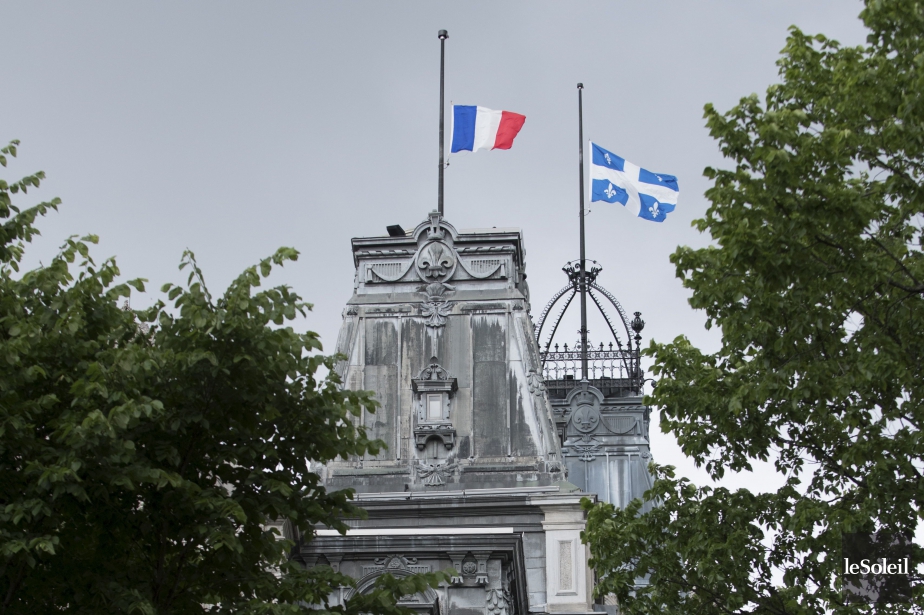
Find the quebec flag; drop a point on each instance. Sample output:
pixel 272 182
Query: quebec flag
pixel 615 180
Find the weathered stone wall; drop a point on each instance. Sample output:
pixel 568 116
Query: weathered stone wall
pixel 458 301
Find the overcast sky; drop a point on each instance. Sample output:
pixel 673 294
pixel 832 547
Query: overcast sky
pixel 233 128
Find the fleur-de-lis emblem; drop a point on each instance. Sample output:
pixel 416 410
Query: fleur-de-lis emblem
pixel 585 419
pixel 608 159
pixel 610 192
pixel 654 210
pixel 436 261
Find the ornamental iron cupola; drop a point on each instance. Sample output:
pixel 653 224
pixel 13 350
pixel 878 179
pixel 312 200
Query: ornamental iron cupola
pixel 596 390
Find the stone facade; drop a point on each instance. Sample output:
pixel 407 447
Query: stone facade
pixel 474 475
pixel 605 442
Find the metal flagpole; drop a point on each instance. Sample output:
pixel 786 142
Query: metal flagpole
pixel 583 282
pixel 443 36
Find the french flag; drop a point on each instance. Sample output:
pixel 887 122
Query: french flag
pixel 475 128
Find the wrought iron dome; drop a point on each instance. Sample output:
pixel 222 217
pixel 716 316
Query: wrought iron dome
pixel 615 370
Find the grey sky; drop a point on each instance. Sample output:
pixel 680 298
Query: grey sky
pixel 233 128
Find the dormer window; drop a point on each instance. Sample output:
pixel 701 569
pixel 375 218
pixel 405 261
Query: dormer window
pixel 434 388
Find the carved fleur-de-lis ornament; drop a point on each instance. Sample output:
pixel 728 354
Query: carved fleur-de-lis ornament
pixel 436 262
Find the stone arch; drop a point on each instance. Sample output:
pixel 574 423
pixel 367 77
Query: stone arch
pixel 426 601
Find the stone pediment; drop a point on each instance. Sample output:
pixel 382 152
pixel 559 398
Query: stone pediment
pixel 434 377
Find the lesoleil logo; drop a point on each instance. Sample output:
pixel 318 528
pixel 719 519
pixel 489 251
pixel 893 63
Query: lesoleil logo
pixel 883 566
pixel 876 569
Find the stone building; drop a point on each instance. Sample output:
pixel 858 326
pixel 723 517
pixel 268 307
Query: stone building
pixel 492 443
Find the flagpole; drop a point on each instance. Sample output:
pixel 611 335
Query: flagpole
pixel 583 279
pixel 443 35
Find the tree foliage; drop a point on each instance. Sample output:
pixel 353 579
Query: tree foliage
pixel 816 280
pixel 145 454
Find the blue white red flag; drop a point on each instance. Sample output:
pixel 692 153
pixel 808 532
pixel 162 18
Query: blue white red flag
pixel 475 128
pixel 615 180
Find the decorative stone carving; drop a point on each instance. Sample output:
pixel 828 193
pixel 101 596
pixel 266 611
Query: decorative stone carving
pixel 434 231
pixel 485 268
pixel 585 419
pixel 436 262
pixel 535 383
pixel 387 272
pixel 588 452
pixel 394 562
pixel 458 566
pixel 436 305
pixel 434 372
pixel 435 313
pixel 496 602
pixel 621 424
pixel 334 560
pixel 481 576
pixel 469 565
pixel 435 474
pixel 533 364
pixel 444 431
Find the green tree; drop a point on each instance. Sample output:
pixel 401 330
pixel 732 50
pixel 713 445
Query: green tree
pixel 815 278
pixel 144 455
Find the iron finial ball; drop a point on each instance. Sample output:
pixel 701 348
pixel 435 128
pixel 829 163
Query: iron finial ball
pixel 638 324
pixel 443 35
